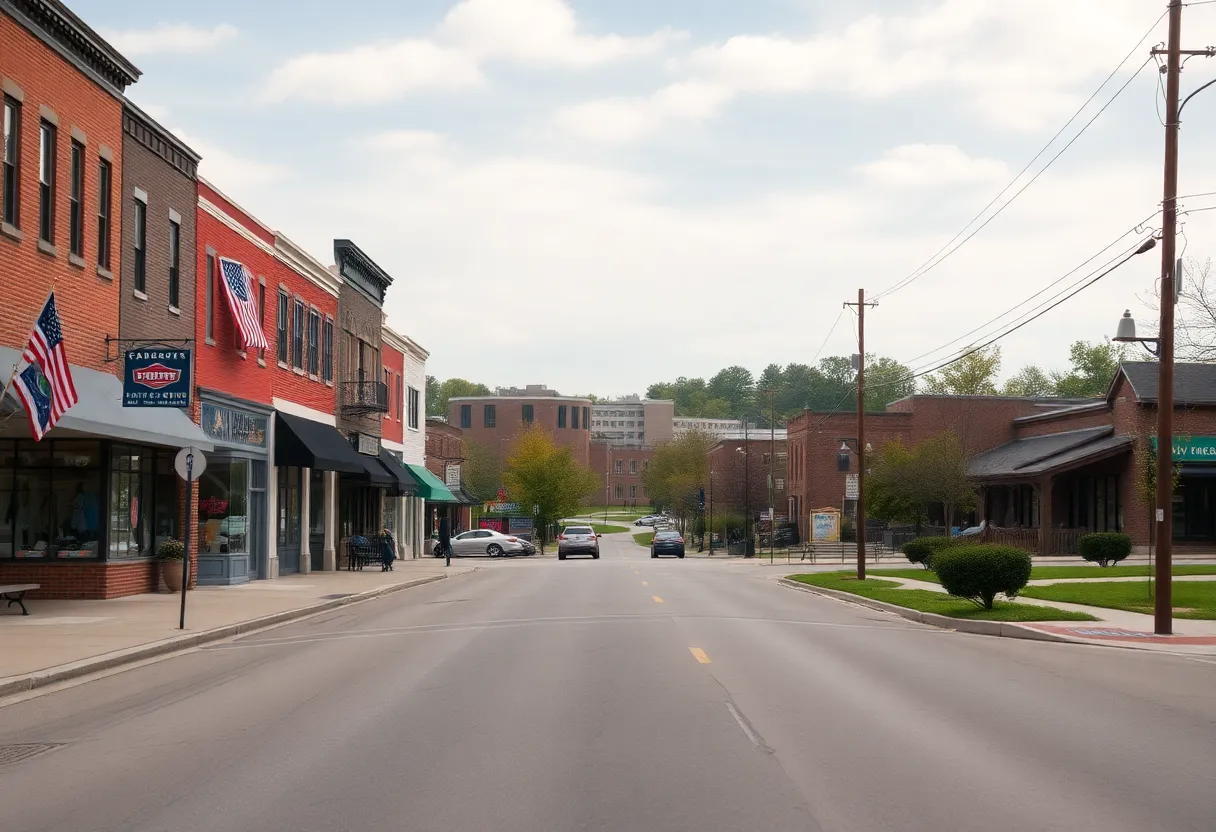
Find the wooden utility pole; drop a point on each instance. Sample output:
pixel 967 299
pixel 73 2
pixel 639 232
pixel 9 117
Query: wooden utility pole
pixel 860 514
pixel 772 461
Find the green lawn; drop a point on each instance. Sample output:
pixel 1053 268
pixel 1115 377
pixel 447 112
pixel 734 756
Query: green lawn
pixel 600 528
pixel 938 603
pixel 643 538
pixel 1192 599
pixel 1050 573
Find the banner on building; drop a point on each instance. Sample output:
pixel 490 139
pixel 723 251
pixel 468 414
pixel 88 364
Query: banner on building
pixel 451 476
pixel 825 526
pixel 156 378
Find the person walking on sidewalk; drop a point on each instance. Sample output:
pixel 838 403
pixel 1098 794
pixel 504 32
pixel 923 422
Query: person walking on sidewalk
pixel 388 550
pixel 445 539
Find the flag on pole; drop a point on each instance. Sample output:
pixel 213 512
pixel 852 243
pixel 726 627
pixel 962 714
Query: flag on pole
pixel 45 348
pixel 34 390
pixel 238 288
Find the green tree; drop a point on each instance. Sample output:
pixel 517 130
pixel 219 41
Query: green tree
pixel 432 399
pixel 886 381
pixel 1029 381
pixel 545 476
pixel 1145 473
pixel 437 402
pixel 677 473
pixel 891 488
pixel 1093 367
pixel 736 385
pixel 904 483
pixel 972 375
pixel 941 473
pixel 481 471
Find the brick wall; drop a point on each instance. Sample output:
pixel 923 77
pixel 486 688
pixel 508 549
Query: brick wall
pixel 87 301
pixel 392 424
pixel 84 581
pixel 168 189
pixel 443 442
pixel 509 422
pixel 1064 422
pixel 220 364
pixel 731 471
pixel 358 319
pixel 633 466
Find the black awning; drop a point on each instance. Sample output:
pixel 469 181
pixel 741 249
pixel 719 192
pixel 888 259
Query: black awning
pixel 405 484
pixel 375 473
pixel 303 443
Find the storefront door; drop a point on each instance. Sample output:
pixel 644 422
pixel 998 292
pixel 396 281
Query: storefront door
pixel 290 520
pixel 1195 509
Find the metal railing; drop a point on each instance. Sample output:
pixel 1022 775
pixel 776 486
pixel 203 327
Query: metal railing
pixel 364 396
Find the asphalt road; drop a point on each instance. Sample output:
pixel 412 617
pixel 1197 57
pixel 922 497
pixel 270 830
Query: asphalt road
pixel 621 694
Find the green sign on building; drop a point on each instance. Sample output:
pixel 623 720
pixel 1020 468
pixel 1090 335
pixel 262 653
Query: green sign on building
pixel 1192 448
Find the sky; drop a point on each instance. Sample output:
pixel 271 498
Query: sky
pixel 601 194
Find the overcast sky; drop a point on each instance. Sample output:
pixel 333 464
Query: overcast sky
pixel 599 194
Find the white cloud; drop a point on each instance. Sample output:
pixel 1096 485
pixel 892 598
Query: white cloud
pixel 176 38
pixel 931 165
pixel 624 120
pixel 530 32
pixel 372 74
pixel 228 170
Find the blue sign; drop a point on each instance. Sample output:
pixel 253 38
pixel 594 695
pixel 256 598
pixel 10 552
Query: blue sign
pixel 156 378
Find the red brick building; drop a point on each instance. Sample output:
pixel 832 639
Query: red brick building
pixel 494 421
pixel 622 470
pixel 739 469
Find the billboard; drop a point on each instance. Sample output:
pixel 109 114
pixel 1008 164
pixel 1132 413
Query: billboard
pixel 825 526
pixel 156 378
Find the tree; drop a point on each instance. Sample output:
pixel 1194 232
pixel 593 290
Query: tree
pixel 481 472
pixel 904 483
pixel 544 476
pixel 972 375
pixel 886 381
pixel 891 487
pixel 1146 482
pixel 736 386
pixel 677 473
pixel 1093 367
pixel 1029 381
pixel 1195 314
pixel 941 473
pixel 437 404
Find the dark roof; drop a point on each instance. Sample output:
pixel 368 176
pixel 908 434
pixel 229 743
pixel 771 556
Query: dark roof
pixel 61 29
pixel 1043 454
pixel 1094 406
pixel 1194 384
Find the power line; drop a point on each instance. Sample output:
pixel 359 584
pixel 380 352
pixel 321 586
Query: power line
pixel 938 256
pixel 828 336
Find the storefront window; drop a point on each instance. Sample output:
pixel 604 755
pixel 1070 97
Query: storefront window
pixel 388 519
pixel 316 502
pixel 223 506
pixel 8 497
pixel 289 506
pixel 165 521
pixel 130 501
pixel 51 496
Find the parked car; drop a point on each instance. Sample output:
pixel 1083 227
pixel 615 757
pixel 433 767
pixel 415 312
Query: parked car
pixel 483 542
pixel 578 540
pixel 667 543
pixel 648 520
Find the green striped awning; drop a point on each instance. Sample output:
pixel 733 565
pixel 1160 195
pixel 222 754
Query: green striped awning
pixel 430 487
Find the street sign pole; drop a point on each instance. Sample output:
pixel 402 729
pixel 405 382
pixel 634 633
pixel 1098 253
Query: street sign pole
pixel 189 464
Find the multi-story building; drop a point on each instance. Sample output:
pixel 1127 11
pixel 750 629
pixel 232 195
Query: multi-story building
pixel 739 473
pixel 622 470
pixel 403 435
pixel 445 459
pixel 632 422
pixel 717 428
pixel 91 500
pixel 494 421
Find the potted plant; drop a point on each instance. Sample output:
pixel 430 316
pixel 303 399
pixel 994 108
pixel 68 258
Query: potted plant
pixel 170 554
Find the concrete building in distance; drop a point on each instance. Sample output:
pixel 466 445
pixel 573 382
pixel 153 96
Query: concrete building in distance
pixel 495 421
pixel 632 422
pixel 717 428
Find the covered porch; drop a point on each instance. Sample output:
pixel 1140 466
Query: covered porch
pixel 1043 493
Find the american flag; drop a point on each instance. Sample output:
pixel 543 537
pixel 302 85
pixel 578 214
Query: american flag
pixel 238 286
pixel 45 348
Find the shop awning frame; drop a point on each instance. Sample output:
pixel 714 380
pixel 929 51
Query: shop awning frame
pixel 405 483
pixel 306 443
pixel 430 487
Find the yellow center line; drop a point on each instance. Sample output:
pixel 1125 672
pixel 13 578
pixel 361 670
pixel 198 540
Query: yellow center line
pixel 699 655
pixel 657 599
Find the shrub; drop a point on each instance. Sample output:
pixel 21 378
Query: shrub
pixel 1105 548
pixel 922 549
pixel 978 572
pixel 171 549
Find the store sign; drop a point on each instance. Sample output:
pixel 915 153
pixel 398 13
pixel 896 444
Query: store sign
pixel 1192 448
pixel 501 508
pixel 852 487
pixel 156 378
pixel 368 445
pixel 451 476
pixel 825 526
pixel 237 427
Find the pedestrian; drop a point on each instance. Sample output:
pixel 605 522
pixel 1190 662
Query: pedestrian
pixel 388 550
pixel 445 538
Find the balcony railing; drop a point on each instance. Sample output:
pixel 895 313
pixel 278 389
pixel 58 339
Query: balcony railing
pixel 364 397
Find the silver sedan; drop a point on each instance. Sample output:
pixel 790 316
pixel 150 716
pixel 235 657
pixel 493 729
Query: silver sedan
pixel 484 542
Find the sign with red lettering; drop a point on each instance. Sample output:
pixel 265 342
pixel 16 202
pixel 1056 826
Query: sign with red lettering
pixel 156 378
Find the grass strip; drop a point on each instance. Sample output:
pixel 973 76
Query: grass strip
pixel 1192 599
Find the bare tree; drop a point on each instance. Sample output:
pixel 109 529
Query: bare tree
pixel 1195 318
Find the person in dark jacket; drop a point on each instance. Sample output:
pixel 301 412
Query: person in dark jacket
pixel 445 538
pixel 388 550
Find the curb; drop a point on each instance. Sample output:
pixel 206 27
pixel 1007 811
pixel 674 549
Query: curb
pixel 1002 629
pixel 129 655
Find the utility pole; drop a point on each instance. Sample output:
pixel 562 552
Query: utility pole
pixel 748 538
pixel 860 514
pixel 772 460
pixel 1163 609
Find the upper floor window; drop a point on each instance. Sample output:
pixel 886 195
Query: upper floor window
pixel 561 415
pixel 574 418
pixel 76 202
pixel 175 284
pixel 210 296
pixel 327 350
pixel 586 418
pixel 46 182
pixel 466 415
pixel 314 342
pixel 528 414
pixel 413 407
pixel 141 245
pixel 633 466
pixel 103 215
pixel 491 416
pixel 618 467
pixel 10 163
pixel 297 335
pixel 281 327
pixel 388 387
pixel 262 315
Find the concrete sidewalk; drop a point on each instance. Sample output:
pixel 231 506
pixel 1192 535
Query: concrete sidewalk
pixel 61 639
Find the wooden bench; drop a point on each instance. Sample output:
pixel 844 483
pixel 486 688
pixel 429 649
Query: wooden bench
pixel 15 594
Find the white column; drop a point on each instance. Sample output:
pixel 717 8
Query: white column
pixel 329 556
pixel 272 522
pixel 402 519
pixel 305 513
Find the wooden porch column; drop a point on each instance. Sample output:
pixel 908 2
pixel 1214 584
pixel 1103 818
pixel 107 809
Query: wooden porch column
pixel 1043 487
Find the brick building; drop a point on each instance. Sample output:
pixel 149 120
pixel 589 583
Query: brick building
pixel 622 469
pixel 445 459
pixel 403 436
pixel 739 469
pixel 88 504
pixel 494 421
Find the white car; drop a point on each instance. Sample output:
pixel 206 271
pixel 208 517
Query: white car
pixel 578 540
pixel 483 542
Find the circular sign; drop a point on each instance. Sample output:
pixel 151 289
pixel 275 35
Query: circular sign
pixel 199 463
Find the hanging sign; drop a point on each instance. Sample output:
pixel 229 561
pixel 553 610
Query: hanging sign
pixel 156 378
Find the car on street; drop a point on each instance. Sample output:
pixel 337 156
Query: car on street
pixel 484 542
pixel 667 543
pixel 578 540
pixel 651 520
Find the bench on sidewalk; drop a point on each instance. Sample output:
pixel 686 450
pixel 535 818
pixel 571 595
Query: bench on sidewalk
pixel 15 594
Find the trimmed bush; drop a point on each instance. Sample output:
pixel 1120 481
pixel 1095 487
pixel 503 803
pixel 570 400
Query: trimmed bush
pixel 1104 548
pixel 171 549
pixel 979 572
pixel 922 549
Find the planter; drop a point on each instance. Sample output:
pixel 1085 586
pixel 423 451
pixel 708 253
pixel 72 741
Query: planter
pixel 171 574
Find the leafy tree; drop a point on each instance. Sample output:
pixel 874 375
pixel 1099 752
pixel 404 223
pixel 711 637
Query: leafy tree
pixel 973 375
pixel 1029 381
pixel 886 381
pixel 481 471
pixel 438 393
pixel 904 483
pixel 1145 473
pixel 432 399
pixel 543 474
pixel 941 473
pixel 892 491
pixel 735 385
pixel 677 473
pixel 1093 367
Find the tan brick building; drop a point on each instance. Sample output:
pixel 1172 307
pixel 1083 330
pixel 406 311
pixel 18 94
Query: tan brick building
pixel 495 421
